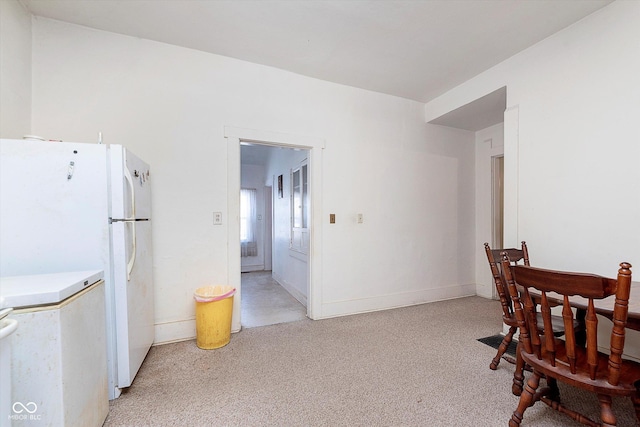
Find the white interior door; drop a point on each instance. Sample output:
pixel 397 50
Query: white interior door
pixel 497 206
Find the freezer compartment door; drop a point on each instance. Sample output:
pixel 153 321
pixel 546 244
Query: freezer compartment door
pixel 133 297
pixel 130 185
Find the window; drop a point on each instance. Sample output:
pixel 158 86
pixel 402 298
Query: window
pixel 248 244
pixel 300 208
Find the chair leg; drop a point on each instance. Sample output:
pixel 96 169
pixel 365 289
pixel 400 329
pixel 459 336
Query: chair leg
pixel 503 347
pixel 554 391
pixel 636 400
pixel 526 399
pixel 607 416
pixel 518 374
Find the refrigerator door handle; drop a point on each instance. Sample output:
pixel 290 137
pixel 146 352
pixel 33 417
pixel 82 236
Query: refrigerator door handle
pixel 132 257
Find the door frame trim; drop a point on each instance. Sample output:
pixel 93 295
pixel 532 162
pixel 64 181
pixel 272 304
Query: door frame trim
pixel 511 176
pixel 235 136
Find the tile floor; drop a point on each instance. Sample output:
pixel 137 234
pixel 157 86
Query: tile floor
pixel 265 302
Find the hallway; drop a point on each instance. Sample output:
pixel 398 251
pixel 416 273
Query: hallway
pixel 265 302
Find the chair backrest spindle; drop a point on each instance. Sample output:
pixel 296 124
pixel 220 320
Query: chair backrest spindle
pixel 620 311
pixel 591 323
pixel 567 316
pixel 549 339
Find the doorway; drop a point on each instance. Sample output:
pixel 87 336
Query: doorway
pixel 275 276
pixel 497 201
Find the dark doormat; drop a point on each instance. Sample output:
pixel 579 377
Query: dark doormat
pixel 495 340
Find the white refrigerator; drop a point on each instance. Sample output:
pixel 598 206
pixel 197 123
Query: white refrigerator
pixel 76 206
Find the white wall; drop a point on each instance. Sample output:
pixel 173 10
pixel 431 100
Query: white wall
pixel 416 192
pixel 413 182
pixel 15 70
pixel 252 176
pixel 575 167
pixel 489 144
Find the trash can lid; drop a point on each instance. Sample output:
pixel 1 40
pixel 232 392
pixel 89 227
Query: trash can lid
pixel 213 293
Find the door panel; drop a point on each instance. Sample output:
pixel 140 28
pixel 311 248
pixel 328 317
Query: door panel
pixel 140 176
pixel 135 318
pixel 128 184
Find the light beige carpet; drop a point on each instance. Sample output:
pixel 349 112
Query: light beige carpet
pixel 414 366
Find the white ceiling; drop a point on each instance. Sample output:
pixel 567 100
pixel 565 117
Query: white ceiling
pixel 416 49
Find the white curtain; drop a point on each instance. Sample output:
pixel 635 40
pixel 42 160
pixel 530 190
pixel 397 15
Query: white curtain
pixel 248 244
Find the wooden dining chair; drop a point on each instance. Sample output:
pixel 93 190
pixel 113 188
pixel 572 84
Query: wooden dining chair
pixel 515 256
pixel 508 317
pixel 564 360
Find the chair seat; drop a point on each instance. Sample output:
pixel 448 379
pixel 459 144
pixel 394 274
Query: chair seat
pixel 629 370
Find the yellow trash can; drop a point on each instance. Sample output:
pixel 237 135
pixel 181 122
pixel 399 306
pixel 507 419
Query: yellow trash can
pixel 214 309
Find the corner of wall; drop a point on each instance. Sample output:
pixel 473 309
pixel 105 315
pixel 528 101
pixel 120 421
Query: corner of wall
pixel 15 70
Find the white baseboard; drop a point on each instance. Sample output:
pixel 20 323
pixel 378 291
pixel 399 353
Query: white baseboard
pixel 383 302
pixel 484 291
pixel 176 331
pixel 302 299
pixel 179 330
pixel 248 268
